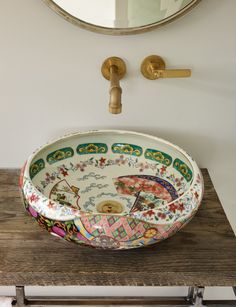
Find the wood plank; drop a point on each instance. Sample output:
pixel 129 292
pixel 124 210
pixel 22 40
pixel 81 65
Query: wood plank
pixel 202 253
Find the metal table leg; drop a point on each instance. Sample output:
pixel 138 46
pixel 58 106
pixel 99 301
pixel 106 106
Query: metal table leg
pixel 195 296
pixel 234 289
pixel 20 296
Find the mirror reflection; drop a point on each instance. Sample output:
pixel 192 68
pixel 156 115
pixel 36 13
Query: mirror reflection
pixel 123 13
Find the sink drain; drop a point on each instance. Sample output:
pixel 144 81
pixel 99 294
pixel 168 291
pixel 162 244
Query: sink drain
pixel 110 206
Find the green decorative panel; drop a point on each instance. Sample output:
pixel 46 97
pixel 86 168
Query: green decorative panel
pixel 36 167
pixel 184 170
pixel 60 154
pixel 128 149
pixel 158 156
pixel 92 148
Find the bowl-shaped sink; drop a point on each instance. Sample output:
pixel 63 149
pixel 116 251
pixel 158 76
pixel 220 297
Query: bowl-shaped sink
pixel 111 189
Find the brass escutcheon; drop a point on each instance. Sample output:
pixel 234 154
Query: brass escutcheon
pixel 110 206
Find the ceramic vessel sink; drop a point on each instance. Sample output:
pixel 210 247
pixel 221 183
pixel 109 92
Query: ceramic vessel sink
pixel 111 189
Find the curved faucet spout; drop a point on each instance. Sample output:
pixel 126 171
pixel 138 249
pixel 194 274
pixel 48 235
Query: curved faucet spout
pixel 115 106
pixel 114 69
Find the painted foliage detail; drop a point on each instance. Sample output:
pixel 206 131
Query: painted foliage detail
pixel 102 162
pixel 64 229
pixel 65 194
pixel 151 191
pixel 104 231
pixel 92 148
pixel 153 202
pixel 60 154
pixel 128 149
pixel 36 167
pixel 146 197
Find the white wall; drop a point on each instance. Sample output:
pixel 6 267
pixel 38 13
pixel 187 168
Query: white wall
pixel 50 83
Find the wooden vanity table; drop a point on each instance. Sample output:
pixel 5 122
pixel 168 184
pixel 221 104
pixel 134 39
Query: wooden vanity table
pixel 201 254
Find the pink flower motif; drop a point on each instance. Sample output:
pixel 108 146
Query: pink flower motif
pixel 173 207
pixel 178 182
pixel 50 204
pixel 141 166
pixel 198 178
pixel 33 198
pixel 149 213
pixel 102 161
pixel 120 160
pixel 196 194
pixel 181 207
pixel 81 166
pixel 163 170
pixel 161 215
pixel 63 172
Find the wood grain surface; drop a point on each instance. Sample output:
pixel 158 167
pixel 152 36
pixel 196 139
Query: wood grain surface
pixel 202 253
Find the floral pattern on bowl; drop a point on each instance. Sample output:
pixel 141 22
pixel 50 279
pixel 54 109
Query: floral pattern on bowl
pixel 111 189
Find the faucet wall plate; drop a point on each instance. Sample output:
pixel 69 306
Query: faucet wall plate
pixel 148 62
pixel 113 61
pixel 153 67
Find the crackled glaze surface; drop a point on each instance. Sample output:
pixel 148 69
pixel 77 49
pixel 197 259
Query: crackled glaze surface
pixel 111 189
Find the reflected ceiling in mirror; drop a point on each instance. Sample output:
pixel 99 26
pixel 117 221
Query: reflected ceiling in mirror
pixel 120 16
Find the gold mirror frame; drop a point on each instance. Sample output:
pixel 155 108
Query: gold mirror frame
pixel 118 31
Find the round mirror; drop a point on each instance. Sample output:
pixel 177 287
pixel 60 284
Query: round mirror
pixel 120 16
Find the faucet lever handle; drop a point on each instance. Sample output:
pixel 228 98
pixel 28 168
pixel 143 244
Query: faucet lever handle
pixel 172 73
pixel 153 67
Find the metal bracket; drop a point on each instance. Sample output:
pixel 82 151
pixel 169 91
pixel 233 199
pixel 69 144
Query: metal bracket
pixel 194 298
pixel 113 61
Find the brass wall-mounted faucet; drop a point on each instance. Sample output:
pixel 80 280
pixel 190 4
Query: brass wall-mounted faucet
pixel 153 67
pixel 114 69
